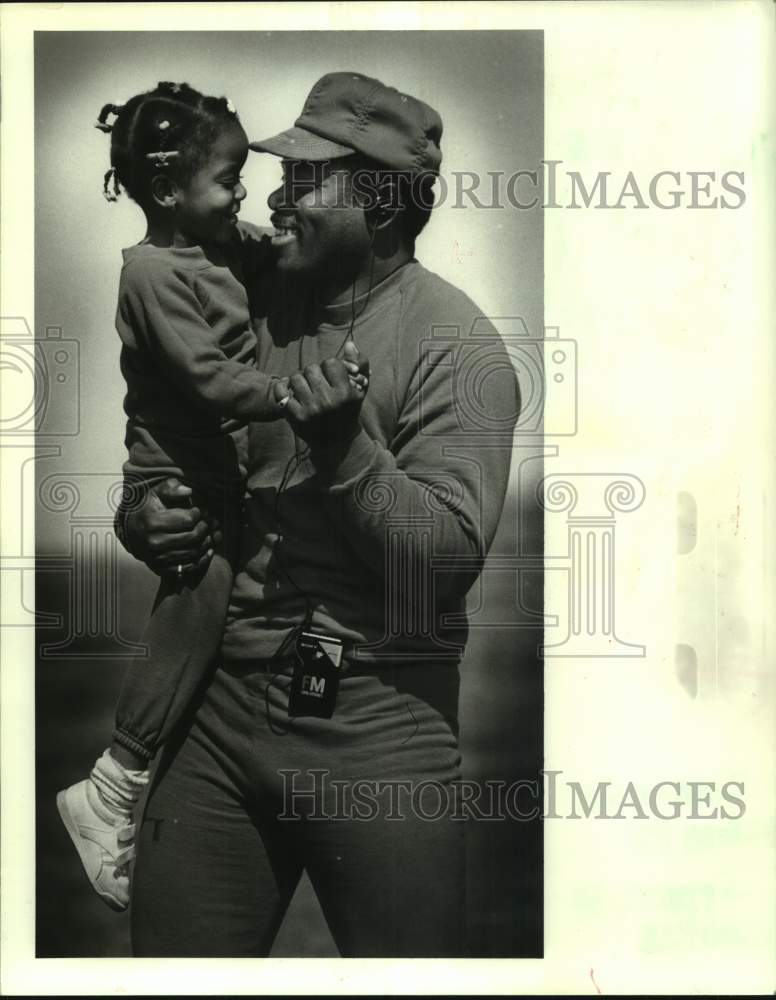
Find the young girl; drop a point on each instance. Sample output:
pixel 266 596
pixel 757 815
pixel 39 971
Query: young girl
pixel 184 319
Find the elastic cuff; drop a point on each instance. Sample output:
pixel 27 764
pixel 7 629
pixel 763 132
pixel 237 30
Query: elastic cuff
pixel 134 745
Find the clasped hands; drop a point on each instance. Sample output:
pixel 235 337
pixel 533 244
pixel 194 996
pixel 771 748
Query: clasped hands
pixel 321 403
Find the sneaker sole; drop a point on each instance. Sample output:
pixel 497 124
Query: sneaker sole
pixel 72 830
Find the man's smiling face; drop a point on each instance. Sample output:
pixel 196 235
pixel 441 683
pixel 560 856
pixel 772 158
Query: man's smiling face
pixel 320 228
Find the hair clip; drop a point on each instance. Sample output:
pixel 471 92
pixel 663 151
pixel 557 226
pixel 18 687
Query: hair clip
pixel 230 107
pixel 161 157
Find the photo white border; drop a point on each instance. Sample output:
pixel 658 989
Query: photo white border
pixel 700 78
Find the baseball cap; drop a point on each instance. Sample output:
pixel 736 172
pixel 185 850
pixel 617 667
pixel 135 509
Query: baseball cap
pixel 349 113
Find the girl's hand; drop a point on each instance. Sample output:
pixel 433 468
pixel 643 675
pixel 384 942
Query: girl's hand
pixel 323 402
pixel 356 367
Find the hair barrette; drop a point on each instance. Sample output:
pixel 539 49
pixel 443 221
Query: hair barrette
pixel 230 107
pixel 161 157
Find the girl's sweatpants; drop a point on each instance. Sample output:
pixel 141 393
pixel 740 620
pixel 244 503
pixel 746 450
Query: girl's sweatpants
pixel 182 639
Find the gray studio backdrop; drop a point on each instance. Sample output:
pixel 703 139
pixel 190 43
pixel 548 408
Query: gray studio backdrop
pixel 488 87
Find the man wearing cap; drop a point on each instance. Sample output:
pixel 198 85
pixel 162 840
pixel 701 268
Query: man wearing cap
pixel 366 524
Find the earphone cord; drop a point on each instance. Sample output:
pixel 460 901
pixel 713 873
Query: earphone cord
pixel 293 464
pixel 353 316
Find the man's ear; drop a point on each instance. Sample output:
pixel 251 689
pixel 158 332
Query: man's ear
pixel 164 191
pixel 387 204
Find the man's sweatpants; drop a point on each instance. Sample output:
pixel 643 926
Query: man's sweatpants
pixel 245 799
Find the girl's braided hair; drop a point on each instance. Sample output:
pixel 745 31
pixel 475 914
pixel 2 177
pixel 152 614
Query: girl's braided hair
pixel 170 128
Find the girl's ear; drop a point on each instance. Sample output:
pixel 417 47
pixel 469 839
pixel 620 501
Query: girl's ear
pixel 164 191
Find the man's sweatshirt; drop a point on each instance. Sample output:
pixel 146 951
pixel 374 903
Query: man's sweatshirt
pixel 381 540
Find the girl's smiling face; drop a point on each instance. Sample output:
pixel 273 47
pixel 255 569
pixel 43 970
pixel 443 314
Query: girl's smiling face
pixel 206 206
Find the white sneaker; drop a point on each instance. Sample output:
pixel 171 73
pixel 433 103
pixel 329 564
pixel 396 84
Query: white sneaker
pixel 105 848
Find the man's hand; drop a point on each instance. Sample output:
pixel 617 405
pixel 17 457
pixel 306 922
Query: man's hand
pixel 323 402
pixel 166 532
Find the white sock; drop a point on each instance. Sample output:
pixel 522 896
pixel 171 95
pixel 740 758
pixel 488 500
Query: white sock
pixel 118 788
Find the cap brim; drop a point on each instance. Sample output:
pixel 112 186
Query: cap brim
pixel 299 144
